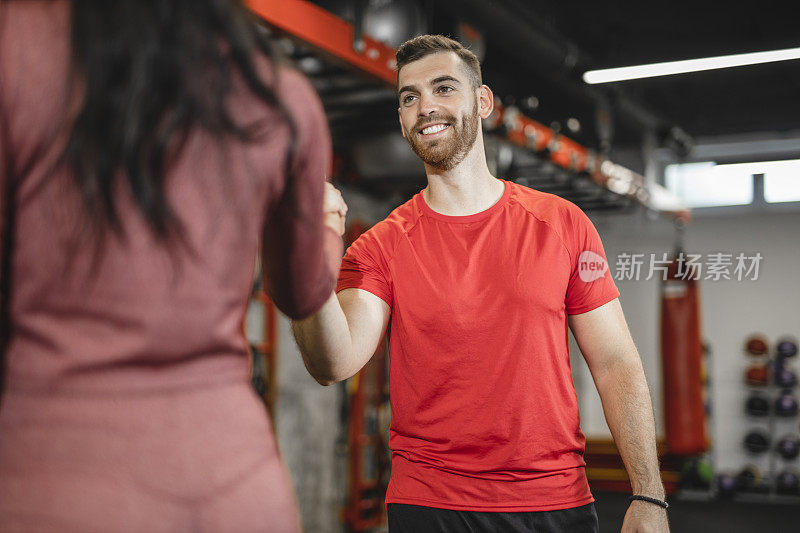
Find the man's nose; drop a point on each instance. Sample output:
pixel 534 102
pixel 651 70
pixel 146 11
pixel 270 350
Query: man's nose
pixel 427 106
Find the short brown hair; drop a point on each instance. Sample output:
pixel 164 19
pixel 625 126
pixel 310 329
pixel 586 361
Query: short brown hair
pixel 425 45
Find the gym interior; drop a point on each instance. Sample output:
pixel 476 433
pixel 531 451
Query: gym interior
pixel 704 164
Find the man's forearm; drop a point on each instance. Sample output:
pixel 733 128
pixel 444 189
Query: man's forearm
pixel 325 342
pixel 629 412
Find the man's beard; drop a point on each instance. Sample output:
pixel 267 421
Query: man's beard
pixel 445 154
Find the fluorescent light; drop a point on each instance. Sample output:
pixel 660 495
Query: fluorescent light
pixel 690 65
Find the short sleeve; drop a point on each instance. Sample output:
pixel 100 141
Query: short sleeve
pixel 365 267
pixel 590 283
pixel 301 254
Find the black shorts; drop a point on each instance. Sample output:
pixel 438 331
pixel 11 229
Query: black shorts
pixel 417 519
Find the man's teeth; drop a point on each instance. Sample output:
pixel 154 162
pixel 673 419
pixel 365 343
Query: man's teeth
pixel 434 129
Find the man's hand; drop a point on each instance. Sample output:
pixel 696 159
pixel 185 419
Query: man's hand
pixel 645 517
pixel 334 209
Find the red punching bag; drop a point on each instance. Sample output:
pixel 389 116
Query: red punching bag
pixel 681 358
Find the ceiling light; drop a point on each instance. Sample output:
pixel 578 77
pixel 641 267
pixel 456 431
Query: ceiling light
pixel 690 65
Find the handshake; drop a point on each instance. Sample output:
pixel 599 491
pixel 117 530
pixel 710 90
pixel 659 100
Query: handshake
pixel 334 209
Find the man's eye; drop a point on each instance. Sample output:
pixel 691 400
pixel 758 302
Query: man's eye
pixel 408 98
pixel 445 89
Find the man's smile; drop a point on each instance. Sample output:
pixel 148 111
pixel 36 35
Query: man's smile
pixel 433 129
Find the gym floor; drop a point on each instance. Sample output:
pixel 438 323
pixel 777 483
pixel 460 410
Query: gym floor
pixel 687 516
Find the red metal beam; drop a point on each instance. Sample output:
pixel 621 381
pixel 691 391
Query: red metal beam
pixel 327 33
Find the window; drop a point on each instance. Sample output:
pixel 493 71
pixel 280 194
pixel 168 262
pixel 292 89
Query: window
pixel 782 181
pixel 708 184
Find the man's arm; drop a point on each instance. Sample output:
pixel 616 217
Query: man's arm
pixel 339 339
pixel 616 367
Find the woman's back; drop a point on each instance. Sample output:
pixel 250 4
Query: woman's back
pixel 127 404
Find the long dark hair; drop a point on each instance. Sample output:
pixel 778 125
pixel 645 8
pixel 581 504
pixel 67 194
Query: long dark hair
pixel 150 70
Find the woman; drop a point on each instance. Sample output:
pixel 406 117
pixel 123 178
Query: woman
pixel 145 147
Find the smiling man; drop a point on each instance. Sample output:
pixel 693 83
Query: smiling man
pixel 480 279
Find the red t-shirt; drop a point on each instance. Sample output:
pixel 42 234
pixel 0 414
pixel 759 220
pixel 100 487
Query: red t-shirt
pixel 484 412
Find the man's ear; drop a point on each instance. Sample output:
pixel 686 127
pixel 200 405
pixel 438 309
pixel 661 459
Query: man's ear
pixel 400 120
pixel 485 101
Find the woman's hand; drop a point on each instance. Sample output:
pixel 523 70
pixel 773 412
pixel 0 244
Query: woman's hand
pixel 334 209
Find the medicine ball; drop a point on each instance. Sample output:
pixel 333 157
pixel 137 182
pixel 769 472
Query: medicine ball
pixel 757 405
pixel 750 480
pixel 756 345
pixel 726 484
pixel 757 376
pixel 788 482
pixel 786 348
pixel 785 377
pixel 786 404
pixel 789 447
pixel 756 442
pixel 696 473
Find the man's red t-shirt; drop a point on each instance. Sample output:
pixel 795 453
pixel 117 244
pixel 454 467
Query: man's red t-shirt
pixel 484 412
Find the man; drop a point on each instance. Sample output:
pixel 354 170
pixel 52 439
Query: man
pixel 479 278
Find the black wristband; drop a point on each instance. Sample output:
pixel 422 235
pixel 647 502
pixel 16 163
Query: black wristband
pixel 660 503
